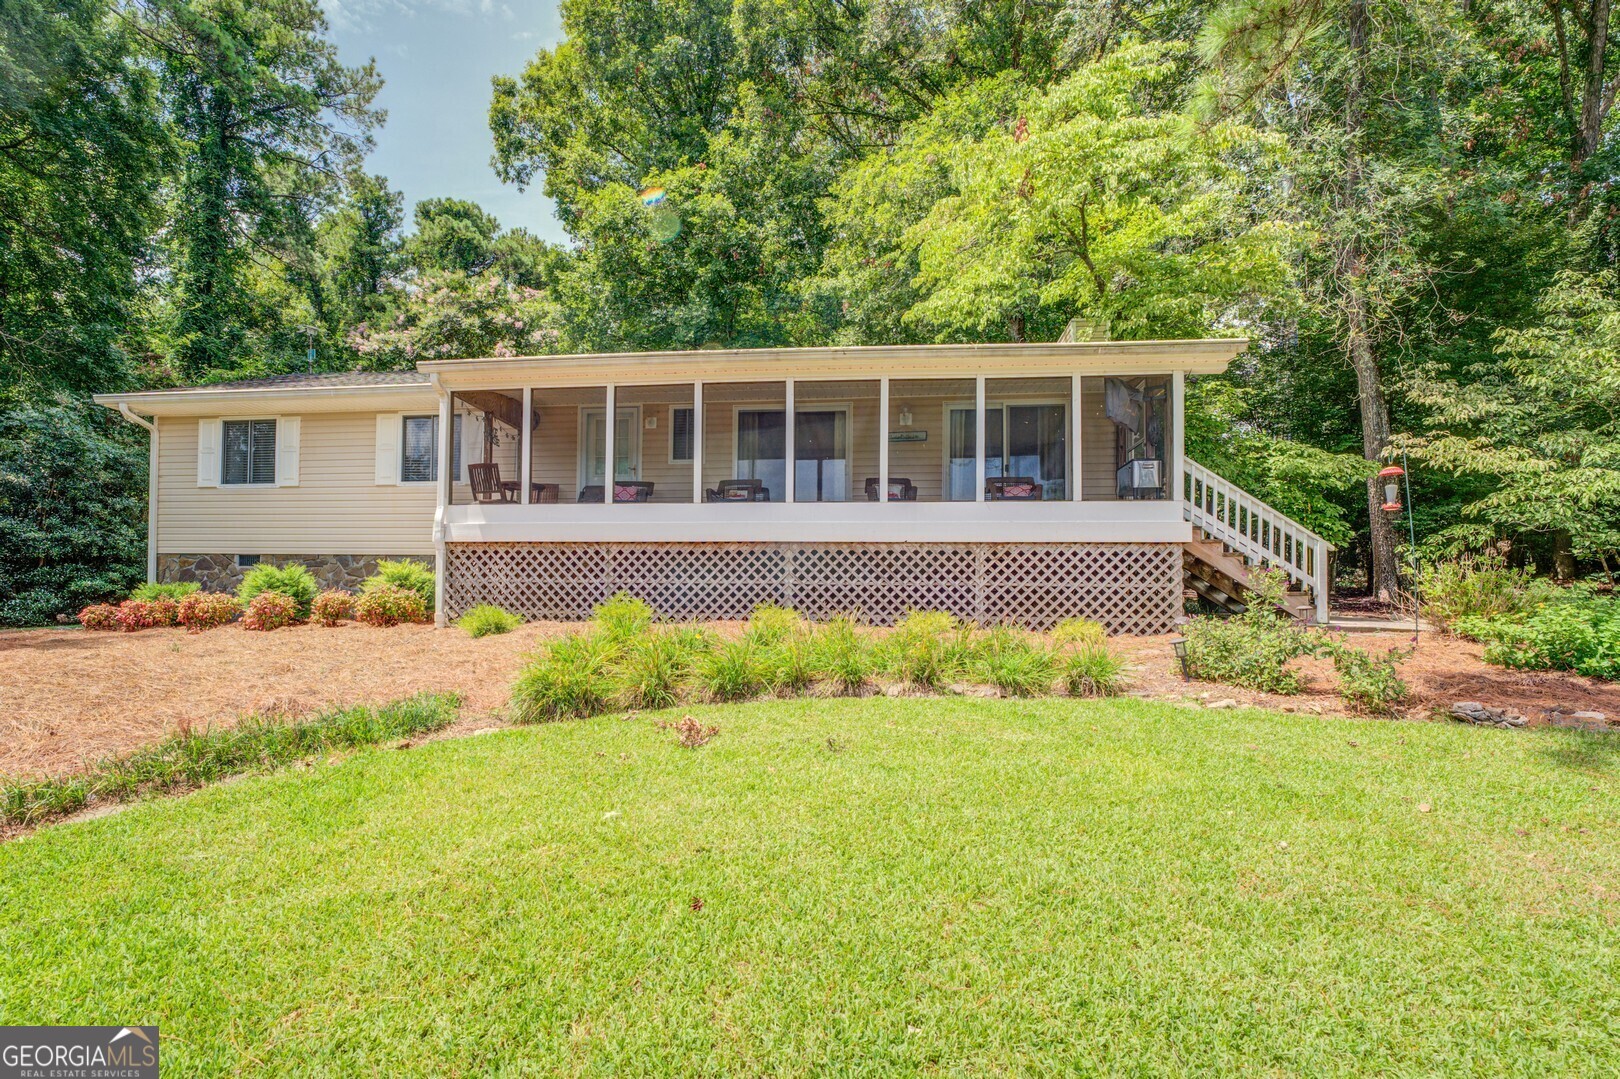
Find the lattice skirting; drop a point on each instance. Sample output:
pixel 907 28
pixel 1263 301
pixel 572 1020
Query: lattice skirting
pixel 1128 587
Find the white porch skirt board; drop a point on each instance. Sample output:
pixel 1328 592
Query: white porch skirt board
pixel 1128 587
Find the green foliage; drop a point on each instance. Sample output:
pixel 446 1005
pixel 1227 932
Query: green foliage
pixel 192 758
pixel 790 664
pixel 1254 649
pixel 571 679
pixel 293 580
pixel 390 605
pixel 1578 632
pixel 771 625
pixel 1079 631
pixel 269 610
pixel 1476 586
pixel 1369 681
pixel 622 617
pixel 652 669
pixel 332 606
pixel 407 573
pixel 842 656
pixel 1093 670
pixel 486 619
pixel 928 649
pixel 1018 666
pixel 734 671
pixel 174 590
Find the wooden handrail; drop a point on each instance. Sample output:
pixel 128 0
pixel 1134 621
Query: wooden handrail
pixel 1258 531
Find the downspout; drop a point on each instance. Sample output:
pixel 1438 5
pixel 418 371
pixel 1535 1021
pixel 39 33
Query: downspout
pixel 447 431
pixel 151 489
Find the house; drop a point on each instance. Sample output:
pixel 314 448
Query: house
pixel 1023 482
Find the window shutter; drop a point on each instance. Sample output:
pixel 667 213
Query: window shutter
pixel 288 434
pixel 208 438
pixel 680 434
pixel 389 437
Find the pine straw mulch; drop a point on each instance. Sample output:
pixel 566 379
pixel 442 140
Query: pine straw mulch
pixel 68 697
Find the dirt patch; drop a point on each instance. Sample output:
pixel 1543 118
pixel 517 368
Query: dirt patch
pixel 68 697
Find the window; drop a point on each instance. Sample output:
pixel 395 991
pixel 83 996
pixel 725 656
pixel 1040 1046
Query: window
pixel 243 561
pixel 249 455
pixel 456 470
pixel 680 434
pixel 419 457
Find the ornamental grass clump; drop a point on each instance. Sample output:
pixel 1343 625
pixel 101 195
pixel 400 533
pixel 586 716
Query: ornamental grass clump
pixel 1078 632
pixel 571 679
pixel 207 610
pixel 651 671
pixel 332 606
pixel 928 649
pixel 389 605
pixel 408 574
pixel 842 657
pixel 175 590
pixel 487 620
pixel 270 610
pixel 789 665
pixel 1019 667
pixel 770 624
pixel 731 672
pixel 291 580
pixel 100 616
pixel 622 617
pixel 1093 670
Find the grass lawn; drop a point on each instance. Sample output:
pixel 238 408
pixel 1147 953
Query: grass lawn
pixel 852 886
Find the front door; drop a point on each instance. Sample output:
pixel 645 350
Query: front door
pixel 626 446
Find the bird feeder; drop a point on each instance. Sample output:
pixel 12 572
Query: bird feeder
pixel 1391 478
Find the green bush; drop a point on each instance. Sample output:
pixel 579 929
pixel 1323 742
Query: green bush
pixel 928 649
pixel 389 605
pixel 651 671
pixel 572 679
pixel 1253 649
pixel 207 610
pixel 270 610
pixel 486 619
pixel 1577 632
pixel 1079 631
pixel 842 656
pixel 332 606
pixel 1368 681
pixel 789 665
pixel 151 590
pixel 1477 586
pixel 408 574
pixel 770 624
pixel 623 617
pixel 291 580
pixel 1093 670
pixel 731 672
pixel 1022 669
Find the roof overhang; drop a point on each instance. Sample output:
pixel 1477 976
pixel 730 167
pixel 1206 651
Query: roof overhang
pixel 1207 356
pixel 215 401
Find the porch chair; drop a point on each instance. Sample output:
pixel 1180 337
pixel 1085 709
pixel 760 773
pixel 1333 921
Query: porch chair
pixel 739 491
pixel 486 484
pixel 1013 489
pixel 900 489
pixel 623 491
pixel 544 492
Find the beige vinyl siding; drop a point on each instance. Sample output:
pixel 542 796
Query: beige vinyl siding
pixel 336 508
pixel 1097 439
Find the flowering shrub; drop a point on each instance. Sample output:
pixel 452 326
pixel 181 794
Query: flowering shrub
pixel 205 610
pixel 270 610
pixel 134 614
pixel 332 607
pixel 99 616
pixel 389 605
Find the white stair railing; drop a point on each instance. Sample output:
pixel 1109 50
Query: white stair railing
pixel 1257 531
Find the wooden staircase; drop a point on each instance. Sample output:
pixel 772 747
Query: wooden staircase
pixel 1233 532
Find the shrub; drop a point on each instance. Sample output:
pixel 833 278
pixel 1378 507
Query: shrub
pixel 928 649
pixel 176 590
pixel 134 614
pixel 292 580
pixel 1079 631
pixel 731 672
pixel 651 671
pixel 1093 670
pixel 332 606
pixel 1254 648
pixel 1476 586
pixel 570 679
pixel 205 610
pixel 270 610
pixel 1368 681
pixel 408 574
pixel 622 616
pixel 842 656
pixel 1579 633
pixel 789 666
pixel 100 616
pixel 689 732
pixel 770 624
pixel 486 619
pixel 1022 670
pixel 389 605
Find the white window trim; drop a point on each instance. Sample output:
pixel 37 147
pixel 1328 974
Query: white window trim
pixel 582 450
pixel 275 455
pixel 438 437
pixel 670 417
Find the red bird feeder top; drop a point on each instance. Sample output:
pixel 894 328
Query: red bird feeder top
pixel 1392 488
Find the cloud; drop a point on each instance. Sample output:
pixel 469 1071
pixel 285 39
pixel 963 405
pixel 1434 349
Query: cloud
pixel 367 14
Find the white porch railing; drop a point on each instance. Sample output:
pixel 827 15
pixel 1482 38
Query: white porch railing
pixel 1257 531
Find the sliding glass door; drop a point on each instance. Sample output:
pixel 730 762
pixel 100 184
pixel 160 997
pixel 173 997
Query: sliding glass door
pixel 1027 441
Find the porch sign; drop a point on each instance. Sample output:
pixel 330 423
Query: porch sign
pixel 908 436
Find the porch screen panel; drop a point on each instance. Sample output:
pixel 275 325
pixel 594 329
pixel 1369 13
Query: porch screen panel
pixel 1027 438
pixel 744 441
pixel 487 428
pixel 567 443
pixel 835 440
pixel 654 443
pixel 1126 426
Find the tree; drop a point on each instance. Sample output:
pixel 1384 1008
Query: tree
pixel 451 234
pixel 360 246
pixel 448 314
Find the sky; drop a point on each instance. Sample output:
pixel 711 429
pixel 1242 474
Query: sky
pixel 436 58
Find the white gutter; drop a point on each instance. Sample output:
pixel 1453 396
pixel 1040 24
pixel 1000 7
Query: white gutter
pixel 151 489
pixel 447 430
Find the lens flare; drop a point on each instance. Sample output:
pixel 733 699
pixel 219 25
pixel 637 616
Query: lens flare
pixel 651 196
pixel 665 226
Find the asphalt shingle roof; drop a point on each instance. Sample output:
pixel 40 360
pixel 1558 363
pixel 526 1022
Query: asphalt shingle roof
pixel 325 379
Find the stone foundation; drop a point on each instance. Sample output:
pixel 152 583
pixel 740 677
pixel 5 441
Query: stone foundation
pixel 219 572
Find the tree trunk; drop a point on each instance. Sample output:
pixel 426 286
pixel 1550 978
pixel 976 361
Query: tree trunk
pixel 1563 556
pixel 1384 580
